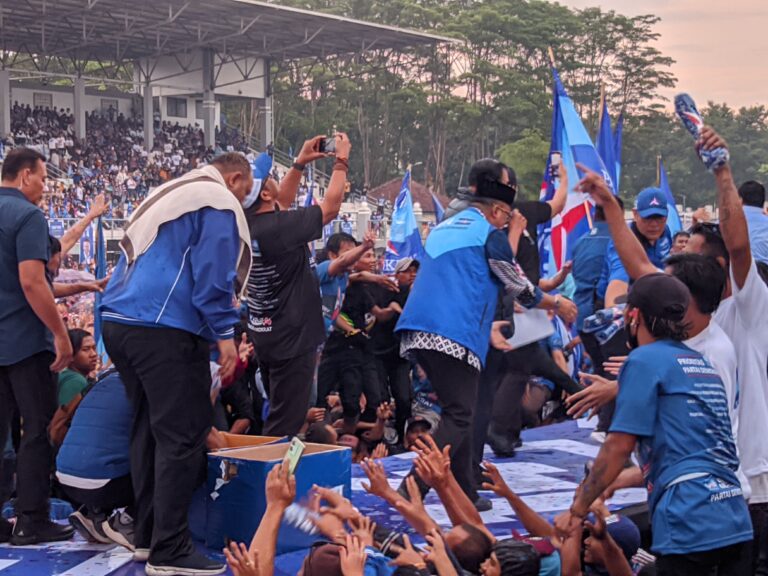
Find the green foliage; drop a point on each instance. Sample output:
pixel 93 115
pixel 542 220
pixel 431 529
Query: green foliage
pixel 490 93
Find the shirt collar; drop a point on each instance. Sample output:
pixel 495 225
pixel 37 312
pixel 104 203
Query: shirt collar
pixel 9 191
pixel 753 210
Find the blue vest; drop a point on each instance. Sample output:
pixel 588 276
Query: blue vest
pixel 98 442
pixel 455 292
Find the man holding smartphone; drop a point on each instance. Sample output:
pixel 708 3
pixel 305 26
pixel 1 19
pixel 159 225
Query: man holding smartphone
pixel 285 317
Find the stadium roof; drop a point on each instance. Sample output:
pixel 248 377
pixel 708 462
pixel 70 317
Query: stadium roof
pixel 121 31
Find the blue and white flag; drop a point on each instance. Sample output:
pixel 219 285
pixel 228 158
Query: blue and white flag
pixel 570 137
pixel 404 235
pixel 439 210
pixel 673 218
pixel 606 145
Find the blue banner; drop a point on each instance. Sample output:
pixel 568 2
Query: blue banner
pixel 439 211
pixel 404 235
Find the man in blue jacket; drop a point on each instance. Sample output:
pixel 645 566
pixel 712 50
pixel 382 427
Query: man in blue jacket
pixel 185 253
pixel 446 324
pixel 650 227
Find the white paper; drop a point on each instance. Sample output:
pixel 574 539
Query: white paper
pixel 531 326
pixel 587 424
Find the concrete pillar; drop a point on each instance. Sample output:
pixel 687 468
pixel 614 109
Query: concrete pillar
pixel 267 128
pixel 209 99
pixel 363 219
pixel 5 103
pixel 149 118
pixel 79 108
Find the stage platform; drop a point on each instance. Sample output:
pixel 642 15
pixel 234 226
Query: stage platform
pixel 545 472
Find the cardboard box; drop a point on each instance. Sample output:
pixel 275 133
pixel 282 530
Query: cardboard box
pixel 236 498
pixel 243 440
pixel 198 515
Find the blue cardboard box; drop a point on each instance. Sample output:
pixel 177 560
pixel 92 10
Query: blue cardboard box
pixel 236 500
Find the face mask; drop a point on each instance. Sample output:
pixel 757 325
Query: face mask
pixel 253 195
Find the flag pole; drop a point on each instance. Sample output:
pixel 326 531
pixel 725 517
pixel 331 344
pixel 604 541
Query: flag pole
pixel 551 56
pixel 658 170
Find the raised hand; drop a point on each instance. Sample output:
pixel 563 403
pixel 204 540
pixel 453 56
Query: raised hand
pixel 496 483
pixel 241 561
pixel 408 556
pixel 593 397
pixel 352 556
pixel 337 504
pixel 281 486
pixel 378 485
pixel 364 528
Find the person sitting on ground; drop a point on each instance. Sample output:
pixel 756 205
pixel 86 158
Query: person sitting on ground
pixel 74 379
pixel 93 467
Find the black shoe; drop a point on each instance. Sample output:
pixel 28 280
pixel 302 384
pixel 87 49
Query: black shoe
pixel 502 447
pixel 483 504
pixel 36 529
pixel 6 529
pixel 518 443
pixel 193 565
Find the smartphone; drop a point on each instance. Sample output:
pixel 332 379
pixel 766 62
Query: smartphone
pixel 554 164
pixel 295 450
pixel 328 145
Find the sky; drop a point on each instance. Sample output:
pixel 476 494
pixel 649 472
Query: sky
pixel 720 48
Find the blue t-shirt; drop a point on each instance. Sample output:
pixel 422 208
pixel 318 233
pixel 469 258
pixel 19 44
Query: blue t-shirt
pixel 23 237
pixel 613 269
pixel 332 290
pixel 672 399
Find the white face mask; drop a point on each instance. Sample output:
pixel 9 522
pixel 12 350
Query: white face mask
pixel 253 195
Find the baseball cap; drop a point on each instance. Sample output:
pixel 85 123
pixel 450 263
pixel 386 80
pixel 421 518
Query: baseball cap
pixel 651 202
pixel 660 296
pixel 261 167
pixel 404 263
pixel 418 420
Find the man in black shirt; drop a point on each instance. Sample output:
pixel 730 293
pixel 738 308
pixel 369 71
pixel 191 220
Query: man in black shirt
pixel 284 310
pixel 393 370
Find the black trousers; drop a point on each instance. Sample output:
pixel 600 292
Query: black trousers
pixel 486 391
pixel 167 376
pixel 117 493
pixel 29 386
pixel 527 361
pixel 344 370
pixel 395 383
pixel 455 383
pixel 288 384
pixel 759 515
pixel 616 346
pixel 731 560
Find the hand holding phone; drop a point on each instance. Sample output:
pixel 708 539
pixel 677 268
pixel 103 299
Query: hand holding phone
pixel 292 457
pixel 328 145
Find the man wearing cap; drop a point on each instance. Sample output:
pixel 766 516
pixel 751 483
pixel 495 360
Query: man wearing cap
pixel 393 370
pixel 672 408
pixel 447 321
pixel 650 227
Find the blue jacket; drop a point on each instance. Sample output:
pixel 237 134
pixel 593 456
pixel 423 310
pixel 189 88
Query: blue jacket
pixel 97 444
pixel 588 258
pixel 613 269
pixel 185 280
pixel 455 292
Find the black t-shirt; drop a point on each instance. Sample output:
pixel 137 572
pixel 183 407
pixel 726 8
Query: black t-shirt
pixel 284 312
pixel 356 310
pixel 527 256
pixel 383 338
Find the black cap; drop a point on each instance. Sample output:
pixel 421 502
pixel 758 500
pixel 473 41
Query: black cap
pixel 418 420
pixel 486 175
pixel 660 296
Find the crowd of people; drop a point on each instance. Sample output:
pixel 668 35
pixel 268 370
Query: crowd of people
pixel 219 304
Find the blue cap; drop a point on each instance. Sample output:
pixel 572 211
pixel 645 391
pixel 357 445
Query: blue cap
pixel 651 202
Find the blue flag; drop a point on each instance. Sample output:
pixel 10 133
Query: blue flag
pixel 404 237
pixel 606 144
pixel 101 272
pixel 439 211
pixel 571 139
pixel 673 218
pixel 617 135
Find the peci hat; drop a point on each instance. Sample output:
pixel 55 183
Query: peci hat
pixel 485 175
pixel 651 202
pixel 660 296
pixel 404 263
